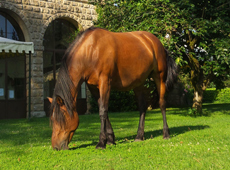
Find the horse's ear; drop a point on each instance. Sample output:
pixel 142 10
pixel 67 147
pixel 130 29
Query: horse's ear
pixel 50 99
pixel 59 100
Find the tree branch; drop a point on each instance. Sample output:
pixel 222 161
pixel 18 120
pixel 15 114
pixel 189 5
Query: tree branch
pixel 222 5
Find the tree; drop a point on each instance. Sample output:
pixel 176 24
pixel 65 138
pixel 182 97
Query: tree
pixel 196 32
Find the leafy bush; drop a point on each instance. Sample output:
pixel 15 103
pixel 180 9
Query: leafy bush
pixel 211 95
pixel 223 96
pixel 119 101
pixel 227 83
pixel 126 100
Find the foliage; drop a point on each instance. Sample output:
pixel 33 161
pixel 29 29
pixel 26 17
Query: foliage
pixel 227 83
pixel 201 143
pixel 193 112
pixel 71 37
pixel 219 96
pixel 197 33
pixel 119 101
pixel 212 95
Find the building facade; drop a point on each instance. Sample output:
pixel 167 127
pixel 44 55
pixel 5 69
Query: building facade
pixel 51 26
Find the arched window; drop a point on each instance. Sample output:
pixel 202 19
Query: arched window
pixel 9 28
pixel 12 72
pixel 58 36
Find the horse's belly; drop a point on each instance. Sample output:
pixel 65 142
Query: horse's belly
pixel 129 80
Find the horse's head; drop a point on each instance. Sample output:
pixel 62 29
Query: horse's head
pixel 63 124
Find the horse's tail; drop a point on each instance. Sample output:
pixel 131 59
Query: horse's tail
pixel 171 72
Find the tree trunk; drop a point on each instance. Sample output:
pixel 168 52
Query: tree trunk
pixel 197 100
pixel 197 80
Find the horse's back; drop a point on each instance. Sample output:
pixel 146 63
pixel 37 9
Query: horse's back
pixel 125 58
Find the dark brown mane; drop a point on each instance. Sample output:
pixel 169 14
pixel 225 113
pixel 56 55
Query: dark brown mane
pixel 77 41
pixel 64 84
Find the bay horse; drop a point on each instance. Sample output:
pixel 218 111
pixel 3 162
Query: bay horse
pixel 107 60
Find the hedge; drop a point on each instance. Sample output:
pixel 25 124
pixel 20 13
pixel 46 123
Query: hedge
pixel 212 95
pixel 126 101
pixel 119 101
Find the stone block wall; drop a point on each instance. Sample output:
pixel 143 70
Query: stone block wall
pixel 38 14
pixel 34 16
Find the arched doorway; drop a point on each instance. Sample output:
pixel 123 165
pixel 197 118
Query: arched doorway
pixel 59 34
pixel 12 72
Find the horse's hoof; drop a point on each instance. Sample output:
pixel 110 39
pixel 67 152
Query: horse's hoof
pixel 100 146
pixel 110 140
pixel 138 140
pixel 111 143
pixel 166 137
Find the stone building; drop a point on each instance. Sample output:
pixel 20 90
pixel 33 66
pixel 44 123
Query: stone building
pixel 49 24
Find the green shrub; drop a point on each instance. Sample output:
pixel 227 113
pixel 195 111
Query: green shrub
pixel 126 101
pixel 223 96
pixel 227 83
pixel 119 101
pixel 211 95
pixel 217 96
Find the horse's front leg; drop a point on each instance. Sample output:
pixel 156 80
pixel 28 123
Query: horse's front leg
pixel 109 130
pixel 103 101
pixel 109 133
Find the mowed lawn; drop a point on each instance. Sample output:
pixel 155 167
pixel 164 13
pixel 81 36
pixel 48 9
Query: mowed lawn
pixel 195 143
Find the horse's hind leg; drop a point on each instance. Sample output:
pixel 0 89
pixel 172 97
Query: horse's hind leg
pixel 160 83
pixel 142 108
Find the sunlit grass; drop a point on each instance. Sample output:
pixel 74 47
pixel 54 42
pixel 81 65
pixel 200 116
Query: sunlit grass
pixel 195 143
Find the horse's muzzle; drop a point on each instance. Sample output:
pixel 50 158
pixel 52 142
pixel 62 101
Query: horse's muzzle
pixel 63 146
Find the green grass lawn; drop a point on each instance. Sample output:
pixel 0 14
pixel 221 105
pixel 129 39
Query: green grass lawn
pixel 195 143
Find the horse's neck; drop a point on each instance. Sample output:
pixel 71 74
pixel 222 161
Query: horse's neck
pixel 77 86
pixel 75 75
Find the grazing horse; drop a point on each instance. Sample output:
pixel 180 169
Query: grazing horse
pixel 108 60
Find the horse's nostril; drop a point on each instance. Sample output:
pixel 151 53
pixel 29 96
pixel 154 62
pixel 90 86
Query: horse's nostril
pixel 64 146
pixel 55 148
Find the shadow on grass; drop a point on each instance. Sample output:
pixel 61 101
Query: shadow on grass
pixel 219 107
pixel 84 146
pixel 174 131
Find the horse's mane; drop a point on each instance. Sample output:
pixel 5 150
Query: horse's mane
pixel 64 84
